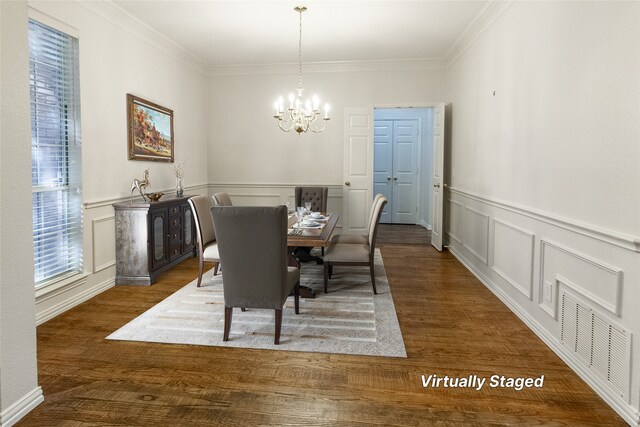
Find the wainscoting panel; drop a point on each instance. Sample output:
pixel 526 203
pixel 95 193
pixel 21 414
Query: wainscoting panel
pixel 455 221
pixel 513 252
pixel 591 278
pixel 104 242
pixel 475 233
pixel 536 261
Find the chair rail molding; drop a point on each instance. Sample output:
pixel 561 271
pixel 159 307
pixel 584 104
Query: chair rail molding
pixel 622 240
pixel 108 201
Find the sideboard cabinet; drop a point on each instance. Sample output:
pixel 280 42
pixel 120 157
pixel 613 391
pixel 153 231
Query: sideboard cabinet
pixel 151 238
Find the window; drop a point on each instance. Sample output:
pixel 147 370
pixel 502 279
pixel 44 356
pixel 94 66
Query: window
pixel 55 153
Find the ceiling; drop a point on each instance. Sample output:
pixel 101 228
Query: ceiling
pixel 222 33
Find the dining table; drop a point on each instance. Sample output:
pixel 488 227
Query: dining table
pixel 318 236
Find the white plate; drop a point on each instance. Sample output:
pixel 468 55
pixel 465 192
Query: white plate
pixel 310 224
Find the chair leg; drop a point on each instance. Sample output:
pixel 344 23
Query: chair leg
pixel 326 276
pixel 278 326
pixel 228 312
pixel 215 269
pixel 373 278
pixel 200 271
pixel 322 250
pixel 296 297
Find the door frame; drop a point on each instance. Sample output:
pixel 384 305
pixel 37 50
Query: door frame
pixel 419 186
pixel 407 105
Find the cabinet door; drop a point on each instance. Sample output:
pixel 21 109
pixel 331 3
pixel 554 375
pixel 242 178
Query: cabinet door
pixel 188 229
pixel 158 237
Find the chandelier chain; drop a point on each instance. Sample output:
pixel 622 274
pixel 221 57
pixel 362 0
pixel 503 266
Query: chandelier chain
pixel 300 53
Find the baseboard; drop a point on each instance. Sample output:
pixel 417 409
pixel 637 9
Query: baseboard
pixel 626 411
pixel 22 407
pixel 424 225
pixel 61 307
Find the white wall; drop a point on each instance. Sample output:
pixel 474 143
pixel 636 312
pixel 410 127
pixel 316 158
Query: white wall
pixel 561 133
pixel 246 145
pixel 545 174
pixel 257 163
pixel 19 390
pixel 119 55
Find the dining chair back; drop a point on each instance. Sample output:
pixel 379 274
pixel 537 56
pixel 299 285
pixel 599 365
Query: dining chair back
pixel 222 199
pixel 356 253
pixel 259 277
pixel 317 196
pixel 206 235
pixel 359 238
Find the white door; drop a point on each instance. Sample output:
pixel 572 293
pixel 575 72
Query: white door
pixel 357 169
pixel 404 207
pixel 438 171
pixel 383 164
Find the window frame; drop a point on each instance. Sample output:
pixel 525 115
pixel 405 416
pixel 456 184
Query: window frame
pixel 73 144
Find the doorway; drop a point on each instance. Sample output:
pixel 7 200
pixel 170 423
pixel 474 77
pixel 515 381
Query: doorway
pixel 403 162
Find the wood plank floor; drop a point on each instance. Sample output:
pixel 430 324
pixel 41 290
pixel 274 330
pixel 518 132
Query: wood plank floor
pixel 452 325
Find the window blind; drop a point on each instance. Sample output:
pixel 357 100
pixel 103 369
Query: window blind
pixel 55 153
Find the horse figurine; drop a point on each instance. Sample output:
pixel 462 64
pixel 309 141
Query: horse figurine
pixel 141 184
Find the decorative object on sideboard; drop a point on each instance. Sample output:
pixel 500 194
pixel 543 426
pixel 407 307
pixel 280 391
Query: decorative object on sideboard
pixel 154 197
pixel 179 173
pixel 140 184
pixel 300 115
pixel 150 131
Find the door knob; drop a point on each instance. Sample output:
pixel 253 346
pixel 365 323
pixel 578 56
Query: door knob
pixel 395 178
pixel 436 185
pixel 348 184
pixel 388 178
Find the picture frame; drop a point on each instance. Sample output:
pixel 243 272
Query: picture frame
pixel 150 131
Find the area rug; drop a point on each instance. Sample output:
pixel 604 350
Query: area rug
pixel 348 319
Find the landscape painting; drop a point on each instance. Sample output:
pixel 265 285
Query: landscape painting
pixel 150 130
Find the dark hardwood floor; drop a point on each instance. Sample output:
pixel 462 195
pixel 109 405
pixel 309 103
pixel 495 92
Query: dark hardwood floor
pixel 452 325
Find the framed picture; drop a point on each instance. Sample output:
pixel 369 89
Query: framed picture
pixel 150 129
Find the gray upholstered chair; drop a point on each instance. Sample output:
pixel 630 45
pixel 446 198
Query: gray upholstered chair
pixel 206 235
pixel 253 248
pixel 316 195
pixel 357 238
pixel 356 253
pixel 222 199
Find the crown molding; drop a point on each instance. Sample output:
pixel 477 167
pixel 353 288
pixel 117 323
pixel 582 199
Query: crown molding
pixel 329 67
pixel 116 15
pixel 485 18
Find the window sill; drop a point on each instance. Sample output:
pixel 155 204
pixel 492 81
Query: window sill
pixel 58 286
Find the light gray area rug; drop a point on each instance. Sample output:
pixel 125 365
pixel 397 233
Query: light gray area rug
pixel 349 319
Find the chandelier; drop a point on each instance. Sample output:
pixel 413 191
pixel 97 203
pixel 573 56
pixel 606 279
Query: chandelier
pixel 300 115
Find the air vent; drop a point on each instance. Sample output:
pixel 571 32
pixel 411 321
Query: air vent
pixel 597 343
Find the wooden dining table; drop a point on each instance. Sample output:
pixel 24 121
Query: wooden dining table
pixel 311 238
